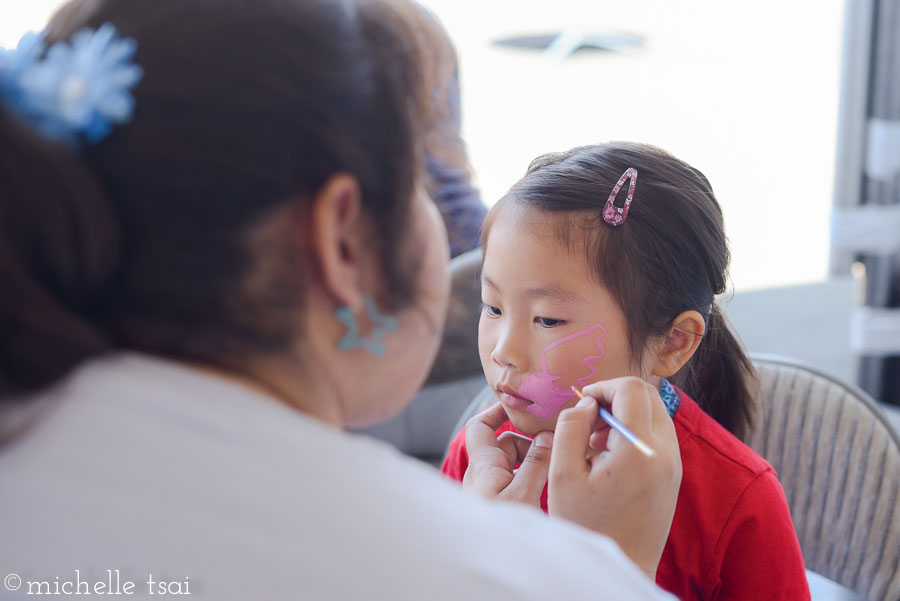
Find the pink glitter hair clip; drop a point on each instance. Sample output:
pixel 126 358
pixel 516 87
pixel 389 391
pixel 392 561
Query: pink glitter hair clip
pixel 612 214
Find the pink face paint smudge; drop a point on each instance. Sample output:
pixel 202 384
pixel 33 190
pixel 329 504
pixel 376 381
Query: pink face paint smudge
pixel 541 388
pixel 548 397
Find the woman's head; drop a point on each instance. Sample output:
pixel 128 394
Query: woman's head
pixel 209 204
pixel 659 272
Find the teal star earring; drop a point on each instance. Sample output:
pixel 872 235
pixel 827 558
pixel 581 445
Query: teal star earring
pixel 383 324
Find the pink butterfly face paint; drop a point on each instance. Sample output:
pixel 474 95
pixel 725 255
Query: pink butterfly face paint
pixel 550 391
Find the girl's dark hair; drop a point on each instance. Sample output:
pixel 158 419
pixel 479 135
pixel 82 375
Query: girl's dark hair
pixel 171 235
pixel 670 256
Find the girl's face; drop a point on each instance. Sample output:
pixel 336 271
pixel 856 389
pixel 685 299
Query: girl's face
pixel 546 324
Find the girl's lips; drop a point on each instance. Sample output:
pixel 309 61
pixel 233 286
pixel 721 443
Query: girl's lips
pixel 511 400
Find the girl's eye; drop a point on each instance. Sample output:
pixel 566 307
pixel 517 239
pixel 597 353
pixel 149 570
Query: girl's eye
pixel 546 322
pixel 490 311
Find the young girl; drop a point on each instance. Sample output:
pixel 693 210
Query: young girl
pixel 605 261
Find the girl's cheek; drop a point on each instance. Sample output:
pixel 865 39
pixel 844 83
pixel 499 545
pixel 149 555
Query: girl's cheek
pixel 577 357
pixel 568 362
pixel 487 339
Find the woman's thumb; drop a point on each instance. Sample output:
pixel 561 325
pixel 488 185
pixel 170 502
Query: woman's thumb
pixel 531 477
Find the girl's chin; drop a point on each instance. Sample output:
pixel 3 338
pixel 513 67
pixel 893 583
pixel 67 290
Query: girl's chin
pixel 530 425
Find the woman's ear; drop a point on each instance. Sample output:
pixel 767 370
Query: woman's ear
pixel 680 344
pixel 337 231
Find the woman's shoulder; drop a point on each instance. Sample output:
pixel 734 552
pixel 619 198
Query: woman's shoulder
pixel 151 465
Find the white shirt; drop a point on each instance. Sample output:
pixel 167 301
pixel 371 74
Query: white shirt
pixel 155 469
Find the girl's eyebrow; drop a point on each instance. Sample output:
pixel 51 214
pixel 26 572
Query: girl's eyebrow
pixel 551 291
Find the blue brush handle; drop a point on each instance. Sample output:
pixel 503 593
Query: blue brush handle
pixel 630 436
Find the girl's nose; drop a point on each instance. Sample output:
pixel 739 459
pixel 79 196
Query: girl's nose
pixel 509 352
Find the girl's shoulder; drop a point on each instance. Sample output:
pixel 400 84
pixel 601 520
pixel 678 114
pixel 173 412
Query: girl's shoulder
pixel 704 441
pixel 730 502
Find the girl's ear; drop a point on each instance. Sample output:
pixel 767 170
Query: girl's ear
pixel 335 234
pixel 680 344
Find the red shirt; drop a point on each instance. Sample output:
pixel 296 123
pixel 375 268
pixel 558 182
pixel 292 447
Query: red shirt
pixel 732 535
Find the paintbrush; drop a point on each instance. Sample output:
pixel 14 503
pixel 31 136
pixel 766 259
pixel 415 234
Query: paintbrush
pixel 619 427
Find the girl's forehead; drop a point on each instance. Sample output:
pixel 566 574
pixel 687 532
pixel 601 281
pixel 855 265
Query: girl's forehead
pixel 541 228
pixel 524 250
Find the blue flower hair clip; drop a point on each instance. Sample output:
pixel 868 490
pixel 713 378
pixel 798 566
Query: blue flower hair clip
pixel 75 90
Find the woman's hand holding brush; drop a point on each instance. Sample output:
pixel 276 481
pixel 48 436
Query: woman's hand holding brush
pixel 620 492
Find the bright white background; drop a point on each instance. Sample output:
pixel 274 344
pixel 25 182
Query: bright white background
pixel 745 91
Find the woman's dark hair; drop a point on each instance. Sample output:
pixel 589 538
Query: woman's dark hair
pixel 150 239
pixel 670 256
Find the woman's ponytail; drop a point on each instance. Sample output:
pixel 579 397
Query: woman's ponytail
pixel 720 376
pixel 58 251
